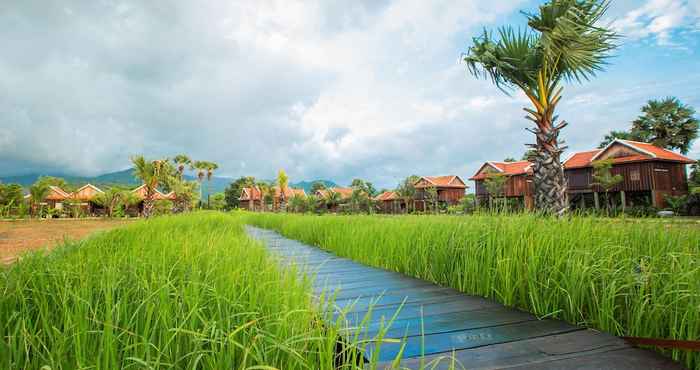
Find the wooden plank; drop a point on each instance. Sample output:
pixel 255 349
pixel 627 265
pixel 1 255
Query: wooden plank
pixel 369 283
pixel 525 352
pixel 449 341
pixel 434 307
pixel 444 322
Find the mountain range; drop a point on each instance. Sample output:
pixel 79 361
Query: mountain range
pixel 126 177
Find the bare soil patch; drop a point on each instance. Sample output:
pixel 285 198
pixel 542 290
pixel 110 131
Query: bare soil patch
pixel 19 236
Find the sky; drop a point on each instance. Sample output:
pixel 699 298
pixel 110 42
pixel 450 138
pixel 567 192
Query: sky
pixel 322 89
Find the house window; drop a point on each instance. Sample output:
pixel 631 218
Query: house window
pixel 634 175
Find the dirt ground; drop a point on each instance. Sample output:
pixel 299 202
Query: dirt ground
pixel 23 235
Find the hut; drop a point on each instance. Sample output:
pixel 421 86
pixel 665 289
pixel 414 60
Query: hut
pixel 140 193
pixel 344 194
pixel 649 174
pixel 449 190
pixel 54 198
pixel 280 198
pixel 390 202
pixel 251 197
pixel 84 198
pixel 518 184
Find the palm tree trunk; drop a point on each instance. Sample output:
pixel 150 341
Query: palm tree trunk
pixel 548 171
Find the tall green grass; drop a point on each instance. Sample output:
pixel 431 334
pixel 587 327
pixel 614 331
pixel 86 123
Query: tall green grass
pixel 635 279
pixel 186 292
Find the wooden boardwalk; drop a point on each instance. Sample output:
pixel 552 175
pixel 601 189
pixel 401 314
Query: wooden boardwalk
pixel 442 324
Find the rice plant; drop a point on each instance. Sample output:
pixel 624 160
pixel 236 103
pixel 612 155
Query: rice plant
pixel 626 278
pixel 186 292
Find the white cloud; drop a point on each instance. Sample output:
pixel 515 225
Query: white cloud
pixel 659 19
pixel 370 89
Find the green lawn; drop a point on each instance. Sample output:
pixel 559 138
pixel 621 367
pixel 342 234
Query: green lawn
pixel 629 277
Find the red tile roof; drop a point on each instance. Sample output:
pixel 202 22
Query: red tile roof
pixel 387 196
pixel 451 181
pixel 647 152
pixel 506 168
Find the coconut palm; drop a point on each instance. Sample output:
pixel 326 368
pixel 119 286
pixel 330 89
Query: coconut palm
pixel 565 44
pixel 181 160
pixel 332 199
pixel 37 193
pixel 151 173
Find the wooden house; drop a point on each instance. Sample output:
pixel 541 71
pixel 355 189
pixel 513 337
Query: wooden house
pixel 390 202
pixel 251 197
pixel 649 174
pixel 450 191
pixel 345 195
pixel 281 198
pixel 140 193
pixel 518 184
pixel 84 198
pixel 54 198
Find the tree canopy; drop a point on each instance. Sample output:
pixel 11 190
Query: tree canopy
pixel 666 123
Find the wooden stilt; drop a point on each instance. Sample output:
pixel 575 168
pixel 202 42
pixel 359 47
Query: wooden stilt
pixel 596 200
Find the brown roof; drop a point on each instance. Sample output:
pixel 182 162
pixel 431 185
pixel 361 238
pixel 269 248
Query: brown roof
pixel 344 192
pixel 289 192
pixel 647 152
pixel 506 168
pixel 254 193
pixel 141 193
pixel 250 193
pixel 451 181
pixel 56 193
pixel 387 196
pixel 86 193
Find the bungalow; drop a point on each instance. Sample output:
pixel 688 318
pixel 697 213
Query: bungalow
pixel 518 184
pixel 649 174
pixel 450 190
pixel 390 202
pixel 251 197
pixel 84 198
pixel 54 198
pixel 140 193
pixel 344 194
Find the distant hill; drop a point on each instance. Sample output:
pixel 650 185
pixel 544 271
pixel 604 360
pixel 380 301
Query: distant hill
pixel 126 177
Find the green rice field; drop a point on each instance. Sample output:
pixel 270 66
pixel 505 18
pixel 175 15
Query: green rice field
pixel 626 278
pixel 185 292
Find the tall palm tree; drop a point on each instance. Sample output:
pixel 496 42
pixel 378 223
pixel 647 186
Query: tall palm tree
pixel 283 182
pixel 37 193
pixel 201 168
pixel 565 44
pixel 151 173
pixel 181 160
pixel 210 167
